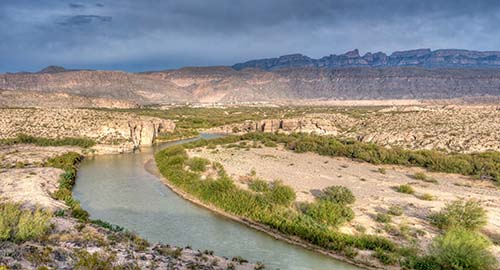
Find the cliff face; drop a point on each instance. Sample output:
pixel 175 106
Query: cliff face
pixel 450 58
pixel 124 130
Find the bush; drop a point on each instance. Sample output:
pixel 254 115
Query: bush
pixel 423 177
pixel 395 210
pixel 258 185
pixel 467 214
pixel 426 197
pixel 338 194
pixel 19 225
pixel 383 218
pixel 407 189
pixel 96 260
pixel 382 170
pixel 385 257
pixel 461 249
pixel 280 194
pixel 198 164
pixel 328 213
pixel 40 141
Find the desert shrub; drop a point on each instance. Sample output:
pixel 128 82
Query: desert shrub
pixel 68 162
pixel 328 213
pixel 94 261
pixel 385 257
pixel 407 189
pixel 461 249
pixel 467 214
pixel 269 143
pixel 383 218
pixel 426 197
pixel 23 138
pixel 280 194
pixel 423 177
pixel 107 225
pixel 259 185
pixel 382 170
pixel 18 224
pixel 198 164
pixel 338 194
pixel 485 165
pixel 395 210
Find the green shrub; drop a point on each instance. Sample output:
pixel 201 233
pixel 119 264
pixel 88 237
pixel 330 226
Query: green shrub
pixel 19 225
pixel 385 257
pixel 467 214
pixel 395 210
pixel 461 249
pixel 426 197
pixel 94 261
pixel 40 141
pixel 423 177
pixel 383 218
pixel 328 213
pixel 280 194
pixel 382 170
pixel 338 194
pixel 258 185
pixel 407 189
pixel 198 164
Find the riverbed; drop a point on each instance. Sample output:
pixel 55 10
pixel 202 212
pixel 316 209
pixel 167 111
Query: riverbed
pixel 117 189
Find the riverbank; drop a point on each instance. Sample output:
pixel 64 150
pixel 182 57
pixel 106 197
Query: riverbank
pixel 151 167
pixel 67 239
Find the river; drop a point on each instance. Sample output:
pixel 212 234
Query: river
pixel 117 189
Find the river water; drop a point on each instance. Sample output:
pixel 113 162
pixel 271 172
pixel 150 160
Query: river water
pixel 117 189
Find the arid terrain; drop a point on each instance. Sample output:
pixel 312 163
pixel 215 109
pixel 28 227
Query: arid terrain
pixel 112 131
pixel 454 128
pixel 375 193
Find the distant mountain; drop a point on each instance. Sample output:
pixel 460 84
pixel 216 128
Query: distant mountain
pixel 426 58
pixel 227 85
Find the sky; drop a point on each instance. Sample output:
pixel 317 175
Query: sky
pixel 140 35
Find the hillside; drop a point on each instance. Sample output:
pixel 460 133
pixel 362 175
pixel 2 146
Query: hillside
pixel 227 85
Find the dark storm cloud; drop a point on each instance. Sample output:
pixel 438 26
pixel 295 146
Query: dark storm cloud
pixel 154 34
pixel 84 19
pixel 76 6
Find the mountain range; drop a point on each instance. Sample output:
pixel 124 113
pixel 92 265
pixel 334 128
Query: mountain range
pixel 426 58
pixel 416 74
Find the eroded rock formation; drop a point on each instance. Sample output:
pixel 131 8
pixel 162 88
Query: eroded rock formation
pixel 110 128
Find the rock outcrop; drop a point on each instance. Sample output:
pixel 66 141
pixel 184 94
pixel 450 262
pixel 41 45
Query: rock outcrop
pixel 125 131
pixel 452 128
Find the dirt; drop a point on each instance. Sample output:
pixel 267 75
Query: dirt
pixel 308 173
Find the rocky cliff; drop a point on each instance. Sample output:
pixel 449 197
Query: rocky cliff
pixel 122 131
pixel 450 58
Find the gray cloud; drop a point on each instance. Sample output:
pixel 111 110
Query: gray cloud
pixel 154 34
pixel 84 19
pixel 76 6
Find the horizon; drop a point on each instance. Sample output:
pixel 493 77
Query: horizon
pixel 138 36
pixel 71 68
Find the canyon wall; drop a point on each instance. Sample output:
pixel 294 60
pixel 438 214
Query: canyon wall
pixel 125 130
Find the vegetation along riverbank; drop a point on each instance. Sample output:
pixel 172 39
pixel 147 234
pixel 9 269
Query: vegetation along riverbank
pixel 319 222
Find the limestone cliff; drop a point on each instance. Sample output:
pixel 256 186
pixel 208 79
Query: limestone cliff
pixel 125 131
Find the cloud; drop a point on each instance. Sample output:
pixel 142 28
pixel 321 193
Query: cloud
pixel 76 6
pixel 84 19
pixel 142 35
